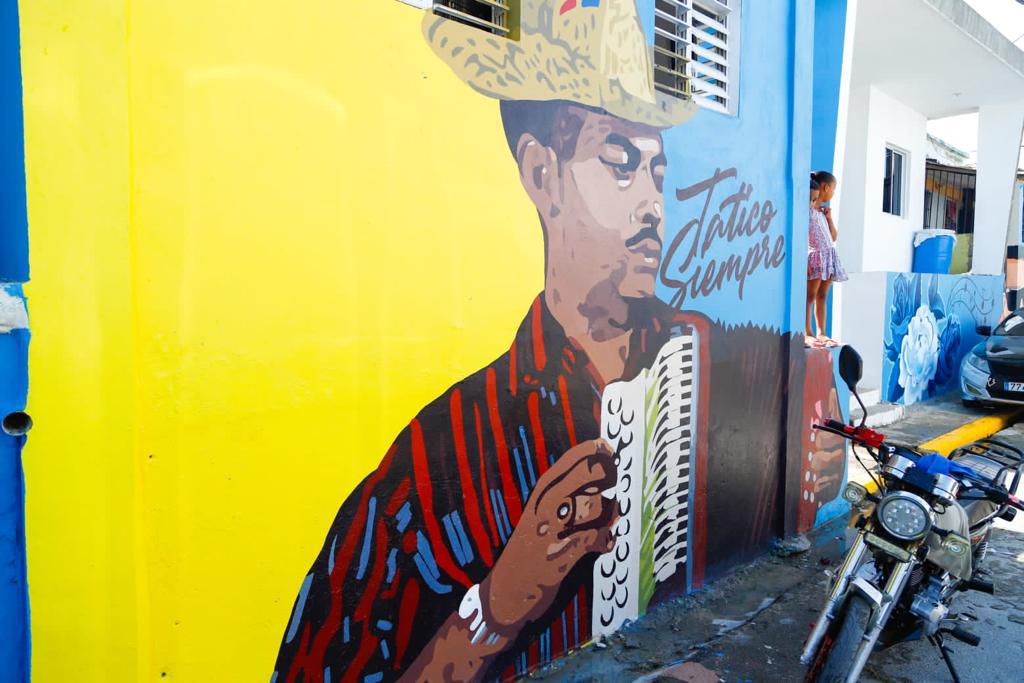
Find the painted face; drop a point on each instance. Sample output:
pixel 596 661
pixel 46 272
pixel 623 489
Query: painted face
pixel 827 466
pixel 824 454
pixel 607 213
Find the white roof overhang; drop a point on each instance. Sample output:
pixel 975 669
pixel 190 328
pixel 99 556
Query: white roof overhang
pixel 939 57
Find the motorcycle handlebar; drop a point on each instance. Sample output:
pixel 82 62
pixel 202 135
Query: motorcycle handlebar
pixel 997 494
pixel 1003 497
pixel 861 435
pixel 869 437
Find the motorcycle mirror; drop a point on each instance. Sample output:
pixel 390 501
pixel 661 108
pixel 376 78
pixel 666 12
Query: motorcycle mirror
pixel 851 367
pixel 984 330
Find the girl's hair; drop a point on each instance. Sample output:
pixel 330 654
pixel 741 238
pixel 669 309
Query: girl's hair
pixel 815 185
pixel 824 177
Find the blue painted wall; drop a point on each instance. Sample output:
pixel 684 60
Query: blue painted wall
pixel 14 617
pixel 14 634
pixel 767 143
pixel 829 33
pixel 13 217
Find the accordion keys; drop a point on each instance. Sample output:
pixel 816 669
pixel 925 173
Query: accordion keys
pixel 648 423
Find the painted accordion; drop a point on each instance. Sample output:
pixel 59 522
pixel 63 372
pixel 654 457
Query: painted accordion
pixel 649 422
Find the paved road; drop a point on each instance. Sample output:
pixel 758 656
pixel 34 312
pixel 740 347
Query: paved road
pixel 750 626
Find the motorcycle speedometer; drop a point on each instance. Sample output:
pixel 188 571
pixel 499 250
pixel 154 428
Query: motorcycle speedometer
pixel 905 516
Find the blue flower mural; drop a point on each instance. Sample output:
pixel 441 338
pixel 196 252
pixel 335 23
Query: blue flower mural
pixel 919 354
pixel 931 321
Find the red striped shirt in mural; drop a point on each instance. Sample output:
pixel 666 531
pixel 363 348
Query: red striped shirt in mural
pixel 430 522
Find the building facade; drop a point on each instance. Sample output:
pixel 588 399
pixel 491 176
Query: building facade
pixel 893 82
pixel 390 339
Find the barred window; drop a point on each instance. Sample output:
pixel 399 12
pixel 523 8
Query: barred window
pixel 949 195
pixel 488 15
pixel 696 51
pixel 671 47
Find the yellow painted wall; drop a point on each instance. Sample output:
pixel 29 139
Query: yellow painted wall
pixel 262 236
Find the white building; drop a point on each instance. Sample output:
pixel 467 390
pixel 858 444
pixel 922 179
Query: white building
pixel 906 62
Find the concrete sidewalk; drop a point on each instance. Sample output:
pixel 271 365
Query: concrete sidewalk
pixel 925 421
pixel 750 626
pixel 743 627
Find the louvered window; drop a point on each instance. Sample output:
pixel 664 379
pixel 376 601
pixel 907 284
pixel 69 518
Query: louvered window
pixel 488 15
pixel 695 50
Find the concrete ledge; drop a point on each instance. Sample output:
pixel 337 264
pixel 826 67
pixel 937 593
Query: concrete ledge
pixel 870 397
pixel 880 415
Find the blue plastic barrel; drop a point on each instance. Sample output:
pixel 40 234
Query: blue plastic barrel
pixel 933 250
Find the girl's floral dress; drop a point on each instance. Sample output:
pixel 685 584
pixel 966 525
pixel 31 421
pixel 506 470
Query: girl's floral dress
pixel 821 252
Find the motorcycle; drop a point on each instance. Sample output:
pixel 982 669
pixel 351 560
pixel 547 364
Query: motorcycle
pixel 920 538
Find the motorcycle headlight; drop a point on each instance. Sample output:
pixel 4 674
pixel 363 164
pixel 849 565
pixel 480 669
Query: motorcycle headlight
pixel 905 516
pixel 978 363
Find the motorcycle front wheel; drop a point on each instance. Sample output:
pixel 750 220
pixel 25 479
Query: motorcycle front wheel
pixel 839 650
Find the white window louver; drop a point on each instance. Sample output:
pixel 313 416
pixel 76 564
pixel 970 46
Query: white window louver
pixel 488 15
pixel 694 50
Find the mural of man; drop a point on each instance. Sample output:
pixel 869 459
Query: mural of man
pixel 468 553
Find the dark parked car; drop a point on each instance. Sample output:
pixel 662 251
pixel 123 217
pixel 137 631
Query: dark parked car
pixel 993 372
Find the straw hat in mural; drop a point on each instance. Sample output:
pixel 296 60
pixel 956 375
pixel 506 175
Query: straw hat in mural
pixel 591 52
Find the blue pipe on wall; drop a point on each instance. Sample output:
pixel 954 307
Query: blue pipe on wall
pixel 14 271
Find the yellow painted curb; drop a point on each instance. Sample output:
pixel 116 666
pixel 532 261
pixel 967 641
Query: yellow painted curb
pixel 982 428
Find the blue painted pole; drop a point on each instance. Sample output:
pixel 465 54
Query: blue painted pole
pixel 14 614
pixel 829 34
pixel 14 339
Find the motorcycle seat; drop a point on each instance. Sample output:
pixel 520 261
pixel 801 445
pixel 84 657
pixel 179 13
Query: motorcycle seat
pixel 979 511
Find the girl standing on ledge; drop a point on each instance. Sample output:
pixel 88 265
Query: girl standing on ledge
pixel 823 265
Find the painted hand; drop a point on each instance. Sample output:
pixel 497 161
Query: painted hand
pixel 565 518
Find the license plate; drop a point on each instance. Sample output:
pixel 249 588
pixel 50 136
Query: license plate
pixel 1014 386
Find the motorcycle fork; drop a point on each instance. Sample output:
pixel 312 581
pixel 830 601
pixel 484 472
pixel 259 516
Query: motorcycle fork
pixel 853 559
pixel 890 595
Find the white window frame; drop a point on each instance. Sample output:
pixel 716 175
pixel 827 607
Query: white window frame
pixel 904 177
pixel 731 9
pixel 419 4
pixel 707 12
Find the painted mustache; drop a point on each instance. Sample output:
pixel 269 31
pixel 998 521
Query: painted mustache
pixel 648 233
